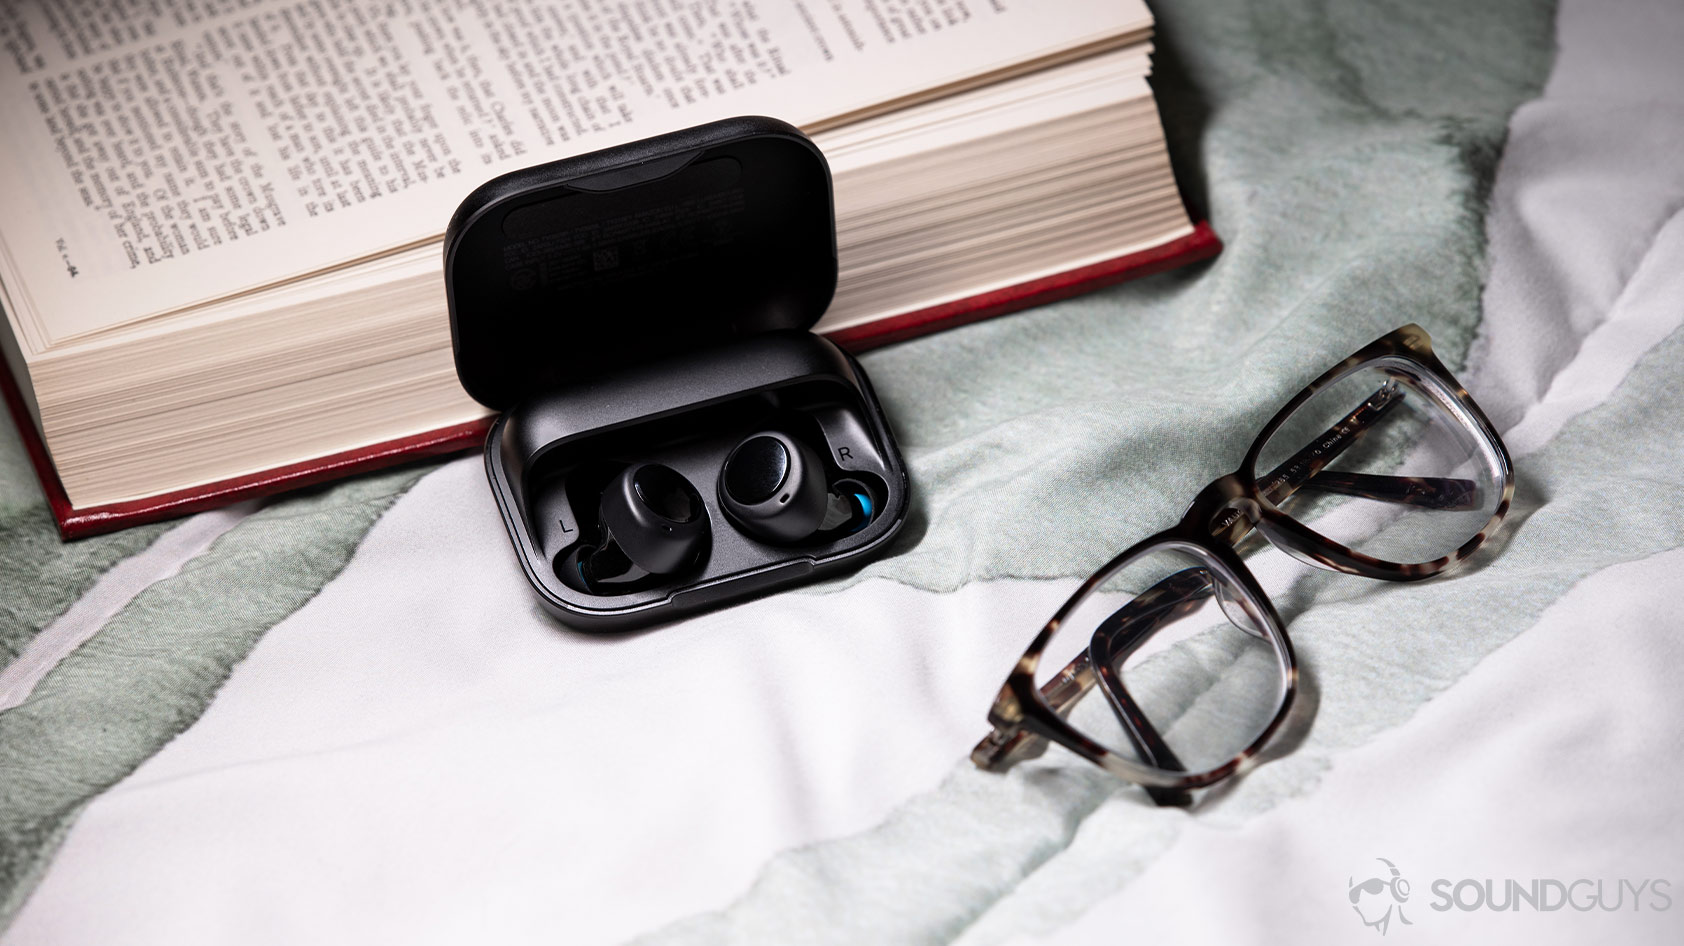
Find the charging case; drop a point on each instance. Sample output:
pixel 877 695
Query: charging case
pixel 652 303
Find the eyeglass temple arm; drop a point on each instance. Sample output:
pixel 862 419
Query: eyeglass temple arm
pixel 1306 469
pixel 1118 636
pixel 1427 492
pixel 1121 632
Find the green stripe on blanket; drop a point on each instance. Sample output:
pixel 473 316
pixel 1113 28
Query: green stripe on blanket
pixel 152 670
pixel 39 575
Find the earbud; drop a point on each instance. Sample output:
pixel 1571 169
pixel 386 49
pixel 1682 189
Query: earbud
pixel 774 487
pixel 652 522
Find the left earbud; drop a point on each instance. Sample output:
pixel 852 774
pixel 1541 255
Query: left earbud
pixel 652 522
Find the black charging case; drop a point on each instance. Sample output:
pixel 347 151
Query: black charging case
pixel 652 303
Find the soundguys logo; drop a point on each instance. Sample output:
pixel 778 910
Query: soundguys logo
pixel 1379 898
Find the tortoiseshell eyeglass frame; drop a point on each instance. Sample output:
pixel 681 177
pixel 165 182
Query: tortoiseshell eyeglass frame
pixel 1222 515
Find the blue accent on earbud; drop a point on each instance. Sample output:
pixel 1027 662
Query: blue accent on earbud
pixel 864 499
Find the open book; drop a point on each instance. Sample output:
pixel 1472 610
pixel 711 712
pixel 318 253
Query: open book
pixel 220 222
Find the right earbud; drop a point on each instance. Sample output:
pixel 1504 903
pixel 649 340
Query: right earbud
pixel 774 486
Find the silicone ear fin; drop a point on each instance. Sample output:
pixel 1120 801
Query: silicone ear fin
pixel 848 509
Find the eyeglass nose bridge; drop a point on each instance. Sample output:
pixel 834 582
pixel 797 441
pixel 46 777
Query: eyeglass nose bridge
pixel 1224 511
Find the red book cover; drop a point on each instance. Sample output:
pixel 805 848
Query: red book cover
pixel 77 522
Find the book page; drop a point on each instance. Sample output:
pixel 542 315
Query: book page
pixel 164 153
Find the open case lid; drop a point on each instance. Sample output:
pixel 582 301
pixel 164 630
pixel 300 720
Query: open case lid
pixel 559 273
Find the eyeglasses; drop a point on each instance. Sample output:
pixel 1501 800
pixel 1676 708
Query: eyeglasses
pixel 1170 667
